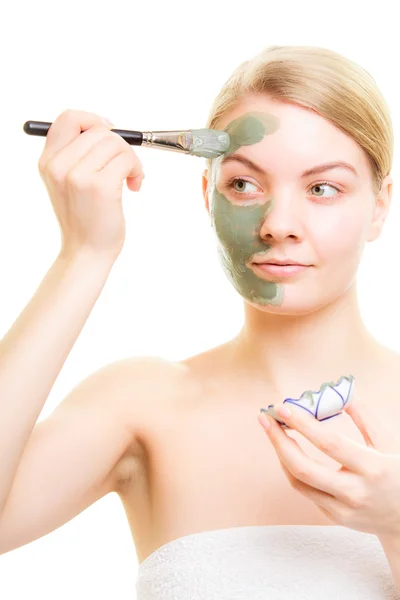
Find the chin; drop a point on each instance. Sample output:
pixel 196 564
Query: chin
pixel 289 309
pixel 295 304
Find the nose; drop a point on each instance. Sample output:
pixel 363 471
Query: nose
pixel 283 219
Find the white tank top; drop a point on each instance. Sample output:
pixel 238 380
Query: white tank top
pixel 271 562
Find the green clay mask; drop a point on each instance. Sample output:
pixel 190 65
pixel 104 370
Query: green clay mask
pixel 237 226
pixel 250 129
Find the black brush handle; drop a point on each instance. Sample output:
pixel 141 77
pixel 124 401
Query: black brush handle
pixel 40 128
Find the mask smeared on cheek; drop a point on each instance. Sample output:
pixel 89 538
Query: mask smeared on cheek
pixel 238 226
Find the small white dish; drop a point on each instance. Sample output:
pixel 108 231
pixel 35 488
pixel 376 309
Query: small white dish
pixel 329 401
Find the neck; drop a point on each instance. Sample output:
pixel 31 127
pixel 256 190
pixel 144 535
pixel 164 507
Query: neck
pixel 299 352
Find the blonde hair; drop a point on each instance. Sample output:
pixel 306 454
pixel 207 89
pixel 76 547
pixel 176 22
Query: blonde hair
pixel 324 81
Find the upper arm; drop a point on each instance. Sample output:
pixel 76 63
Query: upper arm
pixel 71 458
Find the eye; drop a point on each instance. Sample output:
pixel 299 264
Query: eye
pixel 238 185
pixel 323 184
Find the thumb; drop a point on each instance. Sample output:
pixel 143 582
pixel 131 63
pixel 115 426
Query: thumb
pixel 373 425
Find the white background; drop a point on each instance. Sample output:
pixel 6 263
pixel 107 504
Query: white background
pixel 151 66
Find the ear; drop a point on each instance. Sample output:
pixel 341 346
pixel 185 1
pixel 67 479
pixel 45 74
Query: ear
pixel 381 209
pixel 205 189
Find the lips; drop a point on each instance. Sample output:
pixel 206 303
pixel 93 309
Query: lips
pixel 279 261
pixel 278 270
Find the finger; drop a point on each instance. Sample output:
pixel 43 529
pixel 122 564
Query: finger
pixel 301 466
pixel 378 433
pixel 69 157
pixel 102 154
pixel 347 452
pixel 124 165
pixel 134 183
pixel 353 411
pixel 327 503
pixel 67 127
pixel 275 434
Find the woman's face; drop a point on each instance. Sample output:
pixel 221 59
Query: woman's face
pixel 274 209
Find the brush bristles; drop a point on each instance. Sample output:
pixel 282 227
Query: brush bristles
pixel 209 143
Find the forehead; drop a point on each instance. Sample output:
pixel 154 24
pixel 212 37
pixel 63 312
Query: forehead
pixel 288 113
pixel 301 132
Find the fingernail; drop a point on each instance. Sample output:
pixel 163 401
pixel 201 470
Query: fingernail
pixel 107 122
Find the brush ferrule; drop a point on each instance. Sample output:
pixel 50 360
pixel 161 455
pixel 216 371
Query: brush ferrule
pixel 177 141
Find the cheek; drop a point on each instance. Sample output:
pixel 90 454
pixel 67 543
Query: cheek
pixel 236 231
pixel 340 236
pixel 236 227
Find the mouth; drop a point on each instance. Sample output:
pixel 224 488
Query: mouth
pixel 278 270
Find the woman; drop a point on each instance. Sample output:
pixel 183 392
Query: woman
pixel 233 515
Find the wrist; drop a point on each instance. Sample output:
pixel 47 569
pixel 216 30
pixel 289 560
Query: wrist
pixel 88 257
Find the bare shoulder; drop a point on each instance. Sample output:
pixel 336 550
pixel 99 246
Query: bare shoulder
pixel 380 377
pixel 392 359
pixel 387 363
pixel 133 382
pixel 143 384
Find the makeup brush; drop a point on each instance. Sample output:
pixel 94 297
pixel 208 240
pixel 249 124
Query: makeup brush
pixel 205 143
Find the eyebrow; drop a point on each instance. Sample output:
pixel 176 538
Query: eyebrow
pixel 317 169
